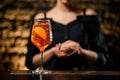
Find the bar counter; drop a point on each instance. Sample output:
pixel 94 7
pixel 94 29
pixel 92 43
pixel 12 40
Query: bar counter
pixel 59 75
pixel 50 72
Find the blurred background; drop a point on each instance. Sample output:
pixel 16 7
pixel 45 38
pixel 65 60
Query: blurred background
pixel 15 18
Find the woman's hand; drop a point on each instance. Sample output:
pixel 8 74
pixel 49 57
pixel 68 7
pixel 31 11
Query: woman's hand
pixel 58 52
pixel 67 48
pixel 70 47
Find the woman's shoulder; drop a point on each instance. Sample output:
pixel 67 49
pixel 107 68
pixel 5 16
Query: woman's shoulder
pixel 39 15
pixel 88 12
pixel 88 15
pixel 44 14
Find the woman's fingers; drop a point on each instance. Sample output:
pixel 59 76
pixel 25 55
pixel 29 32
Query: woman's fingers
pixel 58 46
pixel 67 49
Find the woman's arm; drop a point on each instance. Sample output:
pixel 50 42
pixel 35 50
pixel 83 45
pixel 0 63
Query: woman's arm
pixel 47 55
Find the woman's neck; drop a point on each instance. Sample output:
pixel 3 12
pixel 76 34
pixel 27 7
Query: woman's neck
pixel 61 7
pixel 66 8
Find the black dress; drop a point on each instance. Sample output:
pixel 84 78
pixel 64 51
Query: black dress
pixel 84 30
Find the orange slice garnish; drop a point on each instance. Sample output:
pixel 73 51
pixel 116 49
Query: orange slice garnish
pixel 41 32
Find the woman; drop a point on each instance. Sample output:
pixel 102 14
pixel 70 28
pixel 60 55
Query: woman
pixel 77 40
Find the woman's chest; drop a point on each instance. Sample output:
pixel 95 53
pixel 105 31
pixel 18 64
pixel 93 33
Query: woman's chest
pixel 73 31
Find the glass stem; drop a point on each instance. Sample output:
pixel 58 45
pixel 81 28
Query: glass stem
pixel 41 60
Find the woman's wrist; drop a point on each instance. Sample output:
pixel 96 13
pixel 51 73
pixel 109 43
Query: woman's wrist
pixel 53 50
pixel 91 56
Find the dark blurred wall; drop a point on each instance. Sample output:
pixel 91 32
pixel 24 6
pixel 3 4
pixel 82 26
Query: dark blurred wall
pixel 15 17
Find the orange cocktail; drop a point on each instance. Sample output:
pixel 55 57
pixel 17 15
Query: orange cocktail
pixel 41 34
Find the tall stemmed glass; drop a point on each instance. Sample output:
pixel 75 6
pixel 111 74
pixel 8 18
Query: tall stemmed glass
pixel 41 36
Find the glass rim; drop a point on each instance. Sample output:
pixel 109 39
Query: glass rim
pixel 41 19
